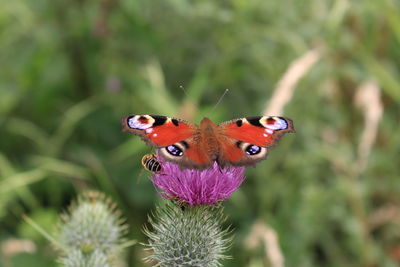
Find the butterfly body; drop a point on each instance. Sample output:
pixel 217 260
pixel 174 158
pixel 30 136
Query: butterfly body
pixel 237 142
pixel 207 135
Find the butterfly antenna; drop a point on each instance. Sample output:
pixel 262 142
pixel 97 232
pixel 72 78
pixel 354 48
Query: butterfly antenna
pixel 219 100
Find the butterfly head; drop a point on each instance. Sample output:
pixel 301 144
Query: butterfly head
pixel 206 122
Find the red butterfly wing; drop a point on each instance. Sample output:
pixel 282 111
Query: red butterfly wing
pixel 175 139
pixel 198 156
pixel 245 140
pixel 159 131
pixel 260 131
pixel 231 152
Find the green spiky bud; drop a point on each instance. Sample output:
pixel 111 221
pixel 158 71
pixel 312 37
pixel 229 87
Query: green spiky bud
pixel 91 231
pixel 77 258
pixel 187 236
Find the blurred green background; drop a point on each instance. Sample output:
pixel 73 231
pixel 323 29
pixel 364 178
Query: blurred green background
pixel 328 195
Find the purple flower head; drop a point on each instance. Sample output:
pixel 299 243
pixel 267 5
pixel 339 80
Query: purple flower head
pixel 197 187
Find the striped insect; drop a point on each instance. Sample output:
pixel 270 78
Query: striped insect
pixel 150 163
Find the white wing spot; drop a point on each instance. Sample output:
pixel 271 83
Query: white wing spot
pixel 136 124
pixel 266 135
pixel 269 131
pixel 279 124
pixel 155 135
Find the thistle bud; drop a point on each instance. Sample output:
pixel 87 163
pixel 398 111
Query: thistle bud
pixel 187 236
pixel 91 232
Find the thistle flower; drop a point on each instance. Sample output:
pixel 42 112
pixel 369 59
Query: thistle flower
pixel 191 234
pixel 195 187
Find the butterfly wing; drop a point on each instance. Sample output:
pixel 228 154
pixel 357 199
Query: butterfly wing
pixel 176 140
pixel 158 131
pixel 245 140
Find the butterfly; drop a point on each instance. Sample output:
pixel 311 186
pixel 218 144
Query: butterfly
pixel 150 163
pixel 238 142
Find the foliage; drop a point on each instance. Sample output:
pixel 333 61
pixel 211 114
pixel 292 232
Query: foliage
pixel 72 69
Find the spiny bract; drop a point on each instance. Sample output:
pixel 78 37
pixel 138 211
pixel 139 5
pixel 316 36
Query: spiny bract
pixel 187 236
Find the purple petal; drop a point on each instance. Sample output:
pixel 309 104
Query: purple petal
pixel 196 187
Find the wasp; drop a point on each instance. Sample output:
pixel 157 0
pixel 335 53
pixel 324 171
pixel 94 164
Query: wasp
pixel 150 163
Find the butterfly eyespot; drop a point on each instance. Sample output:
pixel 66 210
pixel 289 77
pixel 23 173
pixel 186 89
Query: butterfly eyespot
pixel 141 122
pixel 274 123
pixel 252 150
pixel 174 150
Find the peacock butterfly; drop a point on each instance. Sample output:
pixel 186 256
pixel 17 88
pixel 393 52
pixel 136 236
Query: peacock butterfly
pixel 236 142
